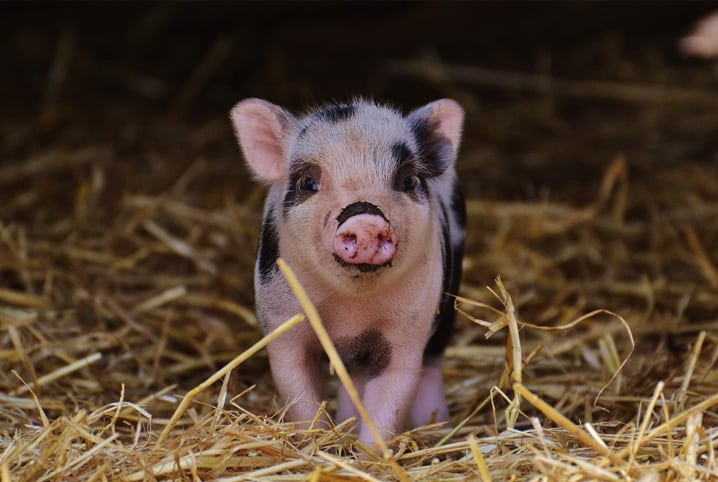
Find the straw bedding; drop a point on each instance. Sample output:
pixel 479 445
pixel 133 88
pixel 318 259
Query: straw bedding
pixel 587 332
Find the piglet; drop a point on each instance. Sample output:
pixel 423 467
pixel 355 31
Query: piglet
pixel 364 204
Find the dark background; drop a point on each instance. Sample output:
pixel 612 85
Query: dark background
pixel 107 72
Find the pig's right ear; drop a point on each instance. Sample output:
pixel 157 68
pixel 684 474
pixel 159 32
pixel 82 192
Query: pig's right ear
pixel 264 132
pixel 437 127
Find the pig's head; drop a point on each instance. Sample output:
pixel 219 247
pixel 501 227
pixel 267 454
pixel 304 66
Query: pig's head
pixel 353 186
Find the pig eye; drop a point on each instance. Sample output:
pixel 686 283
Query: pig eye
pixel 406 179
pixel 307 183
pixel 409 183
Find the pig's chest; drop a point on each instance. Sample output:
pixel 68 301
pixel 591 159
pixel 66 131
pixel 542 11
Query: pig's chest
pixel 361 333
pixel 367 335
pixel 349 318
pixel 368 352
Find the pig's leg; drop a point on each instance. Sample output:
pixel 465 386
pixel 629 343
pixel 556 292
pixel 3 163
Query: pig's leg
pixel 430 404
pixel 298 375
pixel 345 406
pixel 388 396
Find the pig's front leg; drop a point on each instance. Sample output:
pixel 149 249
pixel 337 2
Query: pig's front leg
pixel 430 403
pixel 345 406
pixel 298 375
pixel 388 396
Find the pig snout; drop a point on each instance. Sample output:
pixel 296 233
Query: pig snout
pixel 365 239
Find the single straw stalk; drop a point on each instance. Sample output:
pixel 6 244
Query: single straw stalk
pixel 60 372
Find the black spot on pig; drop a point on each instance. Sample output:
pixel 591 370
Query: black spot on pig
pixel 446 316
pixel 268 251
pixel 331 113
pixel 361 207
pixel 402 154
pixel 336 113
pixel 408 175
pixel 303 183
pixel 303 131
pixel 369 352
pixel 458 204
pixel 435 151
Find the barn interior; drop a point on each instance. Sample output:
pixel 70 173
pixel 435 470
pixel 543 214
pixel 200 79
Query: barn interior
pixel 587 332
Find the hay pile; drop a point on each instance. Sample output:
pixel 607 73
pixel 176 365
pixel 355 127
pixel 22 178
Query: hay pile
pixel 127 245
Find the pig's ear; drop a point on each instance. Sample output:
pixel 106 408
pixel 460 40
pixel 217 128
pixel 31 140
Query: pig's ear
pixel 437 128
pixel 264 132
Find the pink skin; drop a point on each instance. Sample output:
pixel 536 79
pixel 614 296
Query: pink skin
pixel 365 239
pixel 703 41
pixel 429 403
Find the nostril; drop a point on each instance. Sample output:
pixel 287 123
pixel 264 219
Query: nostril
pixel 384 239
pixel 349 239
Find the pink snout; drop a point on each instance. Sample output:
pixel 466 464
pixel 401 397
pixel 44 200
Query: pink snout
pixel 365 239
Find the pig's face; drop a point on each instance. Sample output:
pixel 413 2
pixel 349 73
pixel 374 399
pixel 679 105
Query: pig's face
pixel 353 194
pixel 352 186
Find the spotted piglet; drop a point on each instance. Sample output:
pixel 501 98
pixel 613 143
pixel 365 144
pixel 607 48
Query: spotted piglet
pixel 365 205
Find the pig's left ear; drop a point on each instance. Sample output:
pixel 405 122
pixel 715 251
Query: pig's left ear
pixel 437 128
pixel 265 132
